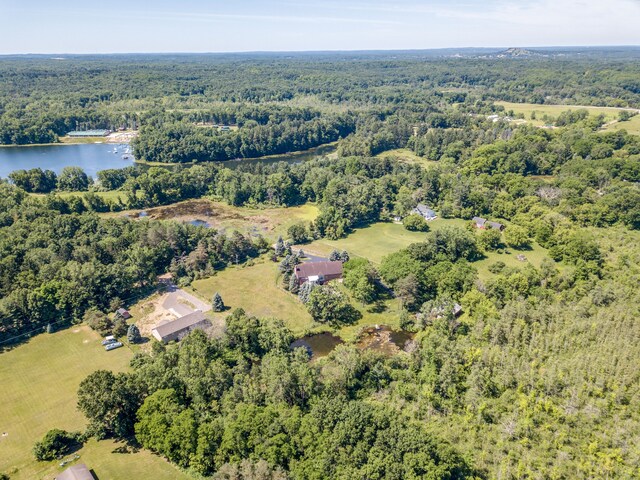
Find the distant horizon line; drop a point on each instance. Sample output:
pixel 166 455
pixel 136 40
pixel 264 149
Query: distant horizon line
pixel 267 52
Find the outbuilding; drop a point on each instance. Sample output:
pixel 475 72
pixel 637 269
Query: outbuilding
pixel 123 313
pixel 484 224
pixel 77 472
pixel 181 327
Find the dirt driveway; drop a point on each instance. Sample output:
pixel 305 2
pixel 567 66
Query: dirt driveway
pixel 181 303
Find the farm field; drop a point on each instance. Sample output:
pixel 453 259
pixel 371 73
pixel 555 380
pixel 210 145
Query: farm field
pixel 39 383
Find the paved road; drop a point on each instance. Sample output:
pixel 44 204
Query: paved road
pixel 179 308
pixel 309 257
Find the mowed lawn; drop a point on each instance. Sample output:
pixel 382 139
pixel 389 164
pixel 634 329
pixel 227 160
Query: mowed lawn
pixel 257 290
pixel 380 239
pixel 39 382
pixel 377 240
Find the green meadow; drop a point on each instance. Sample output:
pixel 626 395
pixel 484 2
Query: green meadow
pixel 40 379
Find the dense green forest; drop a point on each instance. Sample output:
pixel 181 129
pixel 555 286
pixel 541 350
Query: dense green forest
pixel 538 378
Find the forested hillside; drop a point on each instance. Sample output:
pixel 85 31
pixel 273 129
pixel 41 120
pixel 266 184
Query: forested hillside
pixel 515 370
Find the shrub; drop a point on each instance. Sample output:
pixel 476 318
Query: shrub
pixel 98 321
pixel 55 443
pixel 415 223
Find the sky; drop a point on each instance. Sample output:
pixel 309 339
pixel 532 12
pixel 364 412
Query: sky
pixel 118 26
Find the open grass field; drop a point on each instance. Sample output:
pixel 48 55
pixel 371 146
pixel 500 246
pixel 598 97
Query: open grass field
pixel 631 126
pixel 377 240
pixel 112 196
pixel 610 114
pixel 257 290
pixel 534 255
pixel 405 155
pixel 39 382
pixel 380 239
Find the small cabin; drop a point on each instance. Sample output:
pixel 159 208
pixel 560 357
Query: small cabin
pixel 483 223
pixel 123 313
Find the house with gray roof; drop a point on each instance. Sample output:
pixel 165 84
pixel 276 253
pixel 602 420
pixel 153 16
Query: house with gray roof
pixel 177 329
pixel 484 224
pixel 425 212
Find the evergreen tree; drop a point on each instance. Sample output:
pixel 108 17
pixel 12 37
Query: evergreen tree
pixel 279 248
pixel 293 285
pixel 304 291
pixel 344 256
pixel 334 256
pixel 133 334
pixel 218 304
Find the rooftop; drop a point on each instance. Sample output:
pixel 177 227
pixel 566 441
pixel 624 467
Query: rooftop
pixel 89 133
pixel 180 324
pixel 310 269
pixel 77 472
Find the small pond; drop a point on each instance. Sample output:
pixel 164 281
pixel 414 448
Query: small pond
pixel 200 223
pixel 380 338
pixel 319 344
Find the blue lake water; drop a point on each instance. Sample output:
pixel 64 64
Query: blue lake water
pixel 90 157
pixel 93 157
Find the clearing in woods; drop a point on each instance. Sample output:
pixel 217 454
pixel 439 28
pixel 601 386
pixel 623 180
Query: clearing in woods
pixel 269 222
pixel 610 114
pixel 40 380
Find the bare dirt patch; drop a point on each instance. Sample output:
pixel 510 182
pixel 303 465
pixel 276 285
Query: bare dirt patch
pixel 152 313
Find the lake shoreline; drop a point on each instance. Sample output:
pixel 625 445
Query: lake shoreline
pixel 332 146
pixel 114 138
